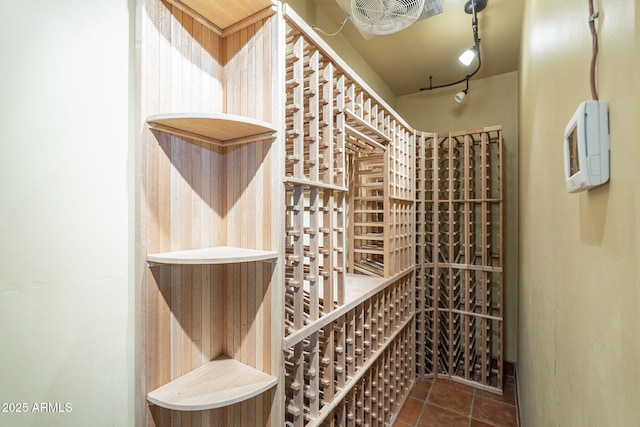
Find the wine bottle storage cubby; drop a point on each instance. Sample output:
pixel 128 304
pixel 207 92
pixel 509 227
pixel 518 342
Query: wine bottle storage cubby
pixel 328 359
pixel 379 394
pixel 369 218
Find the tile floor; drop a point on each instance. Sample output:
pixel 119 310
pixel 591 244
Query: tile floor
pixel 445 403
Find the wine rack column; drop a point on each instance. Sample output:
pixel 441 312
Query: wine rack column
pixel 426 325
pixel 460 251
pixel 346 334
pixel 315 227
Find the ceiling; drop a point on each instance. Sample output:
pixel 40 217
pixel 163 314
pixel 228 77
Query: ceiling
pixel 431 47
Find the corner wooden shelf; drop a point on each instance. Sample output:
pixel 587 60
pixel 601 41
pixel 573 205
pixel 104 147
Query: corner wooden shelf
pixel 215 255
pixel 224 17
pixel 218 383
pixel 210 166
pixel 214 128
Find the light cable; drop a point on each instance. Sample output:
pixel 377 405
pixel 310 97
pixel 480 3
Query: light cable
pixel 320 30
pixel 594 56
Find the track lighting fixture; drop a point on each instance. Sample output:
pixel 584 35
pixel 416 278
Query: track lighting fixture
pixel 467 56
pixel 471 7
pixel 460 96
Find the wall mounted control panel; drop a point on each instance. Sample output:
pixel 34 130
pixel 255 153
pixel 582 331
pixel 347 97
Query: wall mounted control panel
pixel 586 147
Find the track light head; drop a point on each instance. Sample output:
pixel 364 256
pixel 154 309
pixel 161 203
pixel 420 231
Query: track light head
pixel 460 96
pixel 480 5
pixel 468 55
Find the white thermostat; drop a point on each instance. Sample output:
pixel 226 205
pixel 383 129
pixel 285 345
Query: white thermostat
pixel 586 147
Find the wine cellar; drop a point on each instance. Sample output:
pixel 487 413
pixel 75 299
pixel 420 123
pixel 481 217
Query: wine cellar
pixel 307 254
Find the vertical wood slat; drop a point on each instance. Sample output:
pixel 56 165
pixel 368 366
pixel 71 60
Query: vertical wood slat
pixel 149 288
pixel 339 351
pixel 314 138
pixel 333 158
pixel 501 188
pixel 187 205
pixel 485 356
pixel 437 249
pixel 421 286
pixel 340 266
pixel 338 209
pixel 452 224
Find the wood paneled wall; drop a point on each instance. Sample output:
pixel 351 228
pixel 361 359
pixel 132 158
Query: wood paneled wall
pixel 194 195
pixel 248 71
pixel 180 61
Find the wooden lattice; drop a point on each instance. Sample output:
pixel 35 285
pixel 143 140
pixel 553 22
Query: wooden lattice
pixel 459 291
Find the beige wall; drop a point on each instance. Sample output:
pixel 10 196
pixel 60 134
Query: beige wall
pixel 66 201
pixel 579 328
pixel 490 101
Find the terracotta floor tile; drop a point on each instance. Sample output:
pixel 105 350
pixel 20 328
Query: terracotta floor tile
pixel 494 412
pixel 476 423
pixel 454 384
pixel 509 395
pixel 401 424
pixel 410 412
pixel 510 392
pixel 451 398
pixel 434 416
pixel 421 389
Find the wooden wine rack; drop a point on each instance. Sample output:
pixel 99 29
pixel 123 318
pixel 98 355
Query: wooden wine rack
pixel 331 358
pixel 369 214
pixel 381 389
pixel 459 312
pixel 349 294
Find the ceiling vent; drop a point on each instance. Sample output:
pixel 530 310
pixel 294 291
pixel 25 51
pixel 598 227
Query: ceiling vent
pixel 381 17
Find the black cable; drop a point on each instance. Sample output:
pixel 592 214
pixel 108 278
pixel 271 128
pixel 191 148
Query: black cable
pixel 468 76
pixel 476 39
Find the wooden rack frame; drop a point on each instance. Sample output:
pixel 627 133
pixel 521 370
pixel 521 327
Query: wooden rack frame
pixel 349 293
pixel 459 290
pixel 328 360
